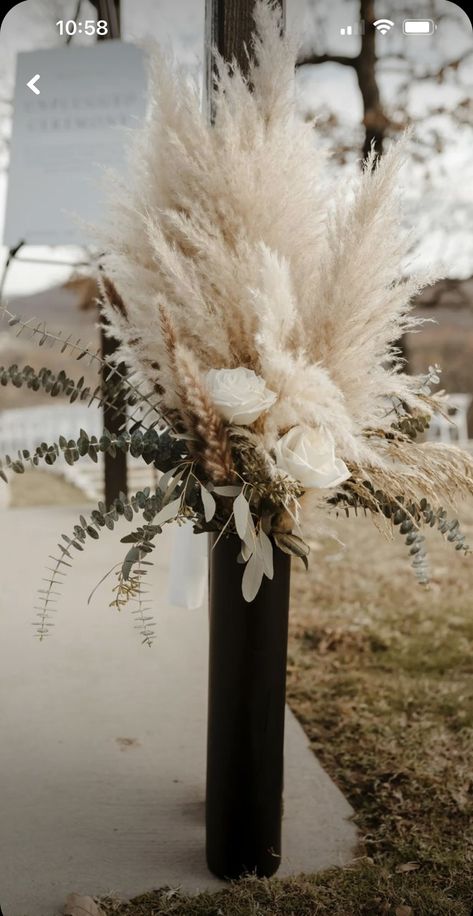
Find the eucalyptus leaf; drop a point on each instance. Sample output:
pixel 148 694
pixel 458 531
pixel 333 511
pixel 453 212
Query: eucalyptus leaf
pixel 252 577
pixel 173 483
pixel 208 503
pixel 246 551
pixel 241 512
pixel 163 483
pixel 266 552
pixel 128 512
pixel 227 490
pixel 168 512
pixel 131 558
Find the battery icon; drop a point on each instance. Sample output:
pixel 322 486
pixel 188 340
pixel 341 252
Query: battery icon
pixel 418 27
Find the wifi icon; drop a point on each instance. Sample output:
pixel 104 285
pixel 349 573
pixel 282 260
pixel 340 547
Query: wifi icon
pixel 383 25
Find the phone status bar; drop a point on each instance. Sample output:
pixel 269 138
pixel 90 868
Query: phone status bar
pixel 413 27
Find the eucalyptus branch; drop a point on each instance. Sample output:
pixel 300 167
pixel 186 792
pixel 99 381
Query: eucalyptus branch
pixel 407 517
pixel 158 507
pixel 154 447
pixel 41 334
pixel 132 590
pixel 100 518
pixel 59 384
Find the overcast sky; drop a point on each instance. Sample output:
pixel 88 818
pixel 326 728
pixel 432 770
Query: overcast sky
pixel 31 25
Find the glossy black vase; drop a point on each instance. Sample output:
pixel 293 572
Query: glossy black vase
pixel 247 688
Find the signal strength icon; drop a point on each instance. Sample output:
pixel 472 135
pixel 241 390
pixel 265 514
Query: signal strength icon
pixel 357 29
pixel 383 25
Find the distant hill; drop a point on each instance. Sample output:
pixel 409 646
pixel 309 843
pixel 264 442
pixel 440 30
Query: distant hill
pixel 59 305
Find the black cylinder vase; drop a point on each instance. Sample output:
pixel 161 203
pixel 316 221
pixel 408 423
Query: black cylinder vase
pixel 247 690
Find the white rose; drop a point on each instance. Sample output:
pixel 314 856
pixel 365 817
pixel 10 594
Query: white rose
pixel 239 395
pixel 308 455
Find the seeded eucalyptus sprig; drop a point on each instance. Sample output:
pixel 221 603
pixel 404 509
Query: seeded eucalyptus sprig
pixel 178 495
pixel 100 518
pixel 143 502
pixel 132 590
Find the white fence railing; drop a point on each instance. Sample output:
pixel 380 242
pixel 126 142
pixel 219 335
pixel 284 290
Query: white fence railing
pixel 454 428
pixel 28 427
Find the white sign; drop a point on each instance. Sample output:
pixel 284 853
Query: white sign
pixel 64 136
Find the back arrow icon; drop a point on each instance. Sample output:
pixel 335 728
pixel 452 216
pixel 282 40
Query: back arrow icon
pixel 31 85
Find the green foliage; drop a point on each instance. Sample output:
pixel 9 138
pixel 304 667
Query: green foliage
pixel 408 518
pixel 412 422
pixel 121 386
pixel 100 518
pixel 118 391
pixel 113 396
pixel 41 335
pixel 131 591
pixel 166 503
pixel 158 448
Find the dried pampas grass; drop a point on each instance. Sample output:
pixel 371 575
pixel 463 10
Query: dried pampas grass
pixel 203 423
pixel 237 233
pixel 234 247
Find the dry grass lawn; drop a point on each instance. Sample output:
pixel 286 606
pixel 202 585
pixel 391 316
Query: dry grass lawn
pixel 380 675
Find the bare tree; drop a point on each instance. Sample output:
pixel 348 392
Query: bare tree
pixel 364 65
pixel 381 118
pixel 385 117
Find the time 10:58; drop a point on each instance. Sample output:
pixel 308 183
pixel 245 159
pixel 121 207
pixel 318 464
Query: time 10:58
pixel 88 27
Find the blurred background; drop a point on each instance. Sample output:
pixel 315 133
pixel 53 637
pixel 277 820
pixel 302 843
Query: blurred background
pixel 358 89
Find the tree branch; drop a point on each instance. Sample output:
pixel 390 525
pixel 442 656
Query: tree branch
pixel 310 58
pixel 444 68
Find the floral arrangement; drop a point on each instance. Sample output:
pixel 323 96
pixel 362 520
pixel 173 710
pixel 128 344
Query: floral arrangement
pixel 258 306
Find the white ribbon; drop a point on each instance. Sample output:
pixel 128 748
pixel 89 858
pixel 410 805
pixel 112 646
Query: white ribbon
pixel 188 571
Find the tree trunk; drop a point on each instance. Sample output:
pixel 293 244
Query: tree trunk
pixel 374 119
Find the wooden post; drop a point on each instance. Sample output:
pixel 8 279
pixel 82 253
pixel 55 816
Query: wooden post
pixel 115 469
pixel 247 641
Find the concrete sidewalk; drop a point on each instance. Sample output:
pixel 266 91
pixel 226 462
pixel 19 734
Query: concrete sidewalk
pixel 102 754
